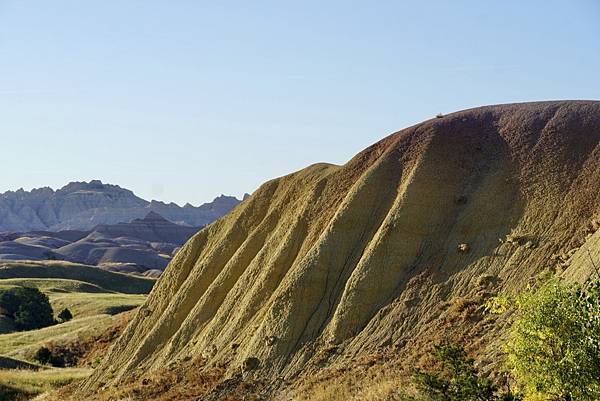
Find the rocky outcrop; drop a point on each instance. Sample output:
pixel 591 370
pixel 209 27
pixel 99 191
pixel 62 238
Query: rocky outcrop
pixel 152 228
pixel 84 205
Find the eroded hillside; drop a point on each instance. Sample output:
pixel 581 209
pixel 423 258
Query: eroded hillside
pixel 398 247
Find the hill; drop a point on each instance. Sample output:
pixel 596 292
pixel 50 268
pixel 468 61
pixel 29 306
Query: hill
pixel 336 268
pixel 88 277
pixel 152 228
pixel 96 299
pixel 84 205
pixel 134 247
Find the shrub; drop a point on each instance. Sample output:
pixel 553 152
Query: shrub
pixel 65 315
pixel 455 378
pixel 43 355
pixel 46 356
pixel 28 307
pixel 66 355
pixel 96 362
pixel 554 349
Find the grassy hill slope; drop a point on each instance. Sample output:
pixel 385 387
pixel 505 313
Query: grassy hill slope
pixel 96 299
pixel 111 281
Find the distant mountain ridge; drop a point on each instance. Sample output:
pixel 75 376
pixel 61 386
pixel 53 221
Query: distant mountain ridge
pixel 134 247
pixel 85 205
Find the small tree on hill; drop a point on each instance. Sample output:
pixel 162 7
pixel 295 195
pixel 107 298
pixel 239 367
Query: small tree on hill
pixel 28 307
pixel 65 315
pixel 34 311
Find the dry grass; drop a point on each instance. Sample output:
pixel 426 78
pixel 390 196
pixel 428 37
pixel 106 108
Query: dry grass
pixel 346 391
pixel 190 380
pixel 24 384
pixel 381 383
pixel 90 304
pixel 17 344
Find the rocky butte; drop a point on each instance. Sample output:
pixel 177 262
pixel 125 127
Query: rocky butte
pixel 395 249
pixel 84 205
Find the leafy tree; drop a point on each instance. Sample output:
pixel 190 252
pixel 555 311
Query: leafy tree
pixel 9 302
pixel 456 378
pixel 65 315
pixel 28 307
pixel 554 350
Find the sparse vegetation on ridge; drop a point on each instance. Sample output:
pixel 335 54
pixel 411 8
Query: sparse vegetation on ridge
pixel 456 378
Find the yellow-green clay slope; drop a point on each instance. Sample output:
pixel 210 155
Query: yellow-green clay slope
pixel 364 256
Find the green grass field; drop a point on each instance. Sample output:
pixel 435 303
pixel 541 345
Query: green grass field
pixel 81 298
pixel 22 345
pixel 85 304
pixel 54 285
pixel 110 281
pixel 94 297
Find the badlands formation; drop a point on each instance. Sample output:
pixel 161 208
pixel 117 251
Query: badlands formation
pixel 142 246
pixel 396 249
pixel 84 205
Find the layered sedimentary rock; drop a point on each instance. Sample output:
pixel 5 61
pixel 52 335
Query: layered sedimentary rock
pixel 369 255
pixel 134 247
pixel 84 205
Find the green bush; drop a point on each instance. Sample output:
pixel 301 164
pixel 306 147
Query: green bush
pixel 43 355
pixel 46 356
pixel 554 349
pixel 65 315
pixel 28 307
pixel 455 378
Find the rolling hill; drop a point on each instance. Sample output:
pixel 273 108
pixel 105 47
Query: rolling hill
pixel 397 249
pixel 139 246
pixel 88 278
pixel 96 299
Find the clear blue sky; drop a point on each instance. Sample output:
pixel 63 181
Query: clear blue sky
pixel 184 100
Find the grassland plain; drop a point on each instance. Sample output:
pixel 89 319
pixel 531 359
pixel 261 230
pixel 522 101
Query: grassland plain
pixel 97 300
